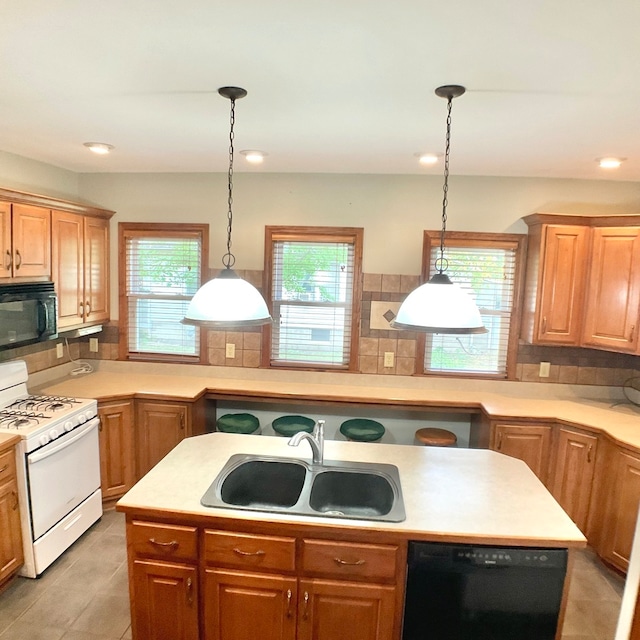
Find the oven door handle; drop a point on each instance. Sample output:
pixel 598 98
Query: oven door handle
pixel 79 433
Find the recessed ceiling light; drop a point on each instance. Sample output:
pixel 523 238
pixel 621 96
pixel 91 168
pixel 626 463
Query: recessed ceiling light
pixel 427 158
pixel 101 148
pixel 610 162
pixel 254 156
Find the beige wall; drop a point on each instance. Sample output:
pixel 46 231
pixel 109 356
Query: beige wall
pixel 24 174
pixel 393 209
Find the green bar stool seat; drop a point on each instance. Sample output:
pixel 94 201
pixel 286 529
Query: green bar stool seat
pixel 238 423
pixel 290 425
pixel 432 437
pixel 362 430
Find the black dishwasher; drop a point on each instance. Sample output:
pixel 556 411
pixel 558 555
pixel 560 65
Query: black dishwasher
pixel 459 592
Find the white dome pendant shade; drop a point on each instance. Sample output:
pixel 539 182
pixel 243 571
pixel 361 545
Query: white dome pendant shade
pixel 227 301
pixel 439 306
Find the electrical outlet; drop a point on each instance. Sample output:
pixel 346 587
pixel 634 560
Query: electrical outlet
pixel 59 350
pixel 388 358
pixel 93 345
pixel 230 350
pixel 545 368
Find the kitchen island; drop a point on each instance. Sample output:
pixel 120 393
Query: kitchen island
pixel 196 571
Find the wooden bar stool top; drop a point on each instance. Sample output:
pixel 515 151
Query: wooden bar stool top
pixel 432 437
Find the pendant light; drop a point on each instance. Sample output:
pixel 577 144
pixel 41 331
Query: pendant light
pixel 228 301
pixel 441 306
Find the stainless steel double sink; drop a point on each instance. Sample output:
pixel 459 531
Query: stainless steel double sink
pixel 361 490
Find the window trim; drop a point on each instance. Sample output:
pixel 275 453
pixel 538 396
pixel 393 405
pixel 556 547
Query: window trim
pixel 161 230
pixel 355 235
pixel 478 239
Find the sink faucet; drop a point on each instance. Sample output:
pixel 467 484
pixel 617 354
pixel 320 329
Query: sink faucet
pixel 316 440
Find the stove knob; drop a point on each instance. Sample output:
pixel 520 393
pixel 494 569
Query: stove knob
pixel 68 425
pixel 89 415
pixel 44 439
pixel 82 418
pixel 53 434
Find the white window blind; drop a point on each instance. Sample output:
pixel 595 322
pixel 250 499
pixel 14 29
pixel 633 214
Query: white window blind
pixel 312 302
pixel 162 275
pixel 489 275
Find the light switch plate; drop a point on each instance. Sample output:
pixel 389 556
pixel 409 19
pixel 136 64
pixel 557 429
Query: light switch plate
pixel 230 350
pixel 388 358
pixel 93 345
pixel 545 368
pixel 59 350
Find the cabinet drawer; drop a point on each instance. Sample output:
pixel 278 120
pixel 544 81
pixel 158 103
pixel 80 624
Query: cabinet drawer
pixel 157 540
pixel 343 559
pixel 7 465
pixel 241 550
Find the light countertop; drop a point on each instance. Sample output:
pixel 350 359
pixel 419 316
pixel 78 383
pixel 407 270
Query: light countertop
pixel 498 399
pixel 8 440
pixel 457 495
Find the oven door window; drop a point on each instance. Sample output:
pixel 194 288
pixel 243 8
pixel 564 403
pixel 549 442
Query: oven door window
pixel 63 474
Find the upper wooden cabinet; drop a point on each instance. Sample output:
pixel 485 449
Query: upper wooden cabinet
pixel 613 293
pixel 583 281
pixel 25 240
pixel 80 268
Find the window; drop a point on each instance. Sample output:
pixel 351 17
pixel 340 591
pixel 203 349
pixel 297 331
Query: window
pixel 489 266
pixel 161 268
pixel 314 287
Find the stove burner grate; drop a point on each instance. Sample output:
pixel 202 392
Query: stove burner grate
pixel 18 419
pixel 43 403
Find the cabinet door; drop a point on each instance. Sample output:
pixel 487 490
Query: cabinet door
pixel 531 443
pixel 96 269
pixel 117 467
pixel 68 266
pixel 329 609
pixel 249 606
pixel 166 601
pixel 613 290
pixel 624 512
pixel 11 557
pixel 562 280
pixel 6 259
pixel 573 476
pixel 31 230
pixel 160 427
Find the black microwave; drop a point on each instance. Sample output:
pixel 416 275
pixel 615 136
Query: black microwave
pixel 28 314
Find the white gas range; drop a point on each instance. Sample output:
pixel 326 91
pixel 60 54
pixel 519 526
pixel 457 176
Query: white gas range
pixel 58 465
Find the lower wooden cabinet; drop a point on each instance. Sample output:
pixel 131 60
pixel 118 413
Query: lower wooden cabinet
pixel 527 441
pixel 117 462
pixel 160 426
pixel 269 587
pixel 11 553
pixel 621 510
pixel 573 473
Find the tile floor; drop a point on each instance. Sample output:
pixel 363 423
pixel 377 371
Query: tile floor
pixel 84 594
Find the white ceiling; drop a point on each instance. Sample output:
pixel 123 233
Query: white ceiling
pixel 341 86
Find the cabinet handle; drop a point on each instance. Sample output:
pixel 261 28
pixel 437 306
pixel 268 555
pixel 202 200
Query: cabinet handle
pixel 544 324
pixel 9 262
pixel 240 552
pixel 589 450
pixel 633 330
pixel 18 259
pixel 189 590
pixel 305 611
pixel 500 441
pixel 182 420
pixel 81 309
pixel 15 498
pixel 289 612
pixel 169 546
pixel 87 306
pixel 352 563
pixel 6 466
